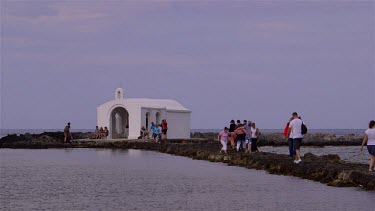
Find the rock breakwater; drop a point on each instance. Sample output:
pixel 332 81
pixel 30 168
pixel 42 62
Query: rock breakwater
pixel 316 139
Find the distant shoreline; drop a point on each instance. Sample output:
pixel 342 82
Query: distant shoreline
pixel 337 132
pixel 266 139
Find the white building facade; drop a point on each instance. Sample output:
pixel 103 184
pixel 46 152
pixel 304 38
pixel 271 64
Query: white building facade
pixel 125 117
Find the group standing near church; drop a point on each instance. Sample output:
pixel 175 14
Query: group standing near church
pixel 158 131
pixel 101 132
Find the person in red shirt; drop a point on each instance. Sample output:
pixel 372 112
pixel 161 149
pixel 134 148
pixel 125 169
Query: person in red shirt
pixel 164 129
pixel 292 151
pixel 232 128
pixel 240 134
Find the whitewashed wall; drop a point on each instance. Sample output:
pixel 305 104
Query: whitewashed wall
pixel 178 124
pixel 104 114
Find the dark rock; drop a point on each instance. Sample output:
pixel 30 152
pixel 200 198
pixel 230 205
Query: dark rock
pixel 11 138
pixel 309 155
pixel 332 157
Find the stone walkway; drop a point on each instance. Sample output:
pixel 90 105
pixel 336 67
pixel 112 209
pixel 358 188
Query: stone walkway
pixel 135 140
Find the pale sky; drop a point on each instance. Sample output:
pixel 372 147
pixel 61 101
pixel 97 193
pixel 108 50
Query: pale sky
pixel 224 60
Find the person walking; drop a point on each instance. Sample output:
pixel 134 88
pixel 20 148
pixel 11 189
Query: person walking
pixel 223 138
pixel 369 138
pixel 240 134
pixel 232 128
pixel 295 132
pixel 292 151
pixel 254 137
pixel 156 133
pixel 152 128
pixel 164 129
pixel 248 136
pixel 67 135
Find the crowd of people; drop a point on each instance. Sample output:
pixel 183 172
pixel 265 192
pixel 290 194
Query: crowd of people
pixel 158 132
pixel 244 136
pixel 241 136
pixel 101 132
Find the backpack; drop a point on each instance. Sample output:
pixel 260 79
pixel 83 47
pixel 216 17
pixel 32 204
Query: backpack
pixel 303 129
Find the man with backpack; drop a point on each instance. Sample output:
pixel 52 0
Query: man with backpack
pixel 295 132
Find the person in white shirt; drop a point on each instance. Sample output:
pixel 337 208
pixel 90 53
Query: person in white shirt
pixel 295 132
pixel 369 138
pixel 248 136
pixel 255 133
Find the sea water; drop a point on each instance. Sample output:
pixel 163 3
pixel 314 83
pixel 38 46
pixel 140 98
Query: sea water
pixel 104 179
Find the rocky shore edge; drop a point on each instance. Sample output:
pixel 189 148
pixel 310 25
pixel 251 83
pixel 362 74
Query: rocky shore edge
pixel 327 169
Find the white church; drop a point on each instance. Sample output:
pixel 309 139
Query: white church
pixel 125 117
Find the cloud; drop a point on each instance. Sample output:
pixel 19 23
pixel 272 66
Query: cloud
pixel 79 16
pixel 57 15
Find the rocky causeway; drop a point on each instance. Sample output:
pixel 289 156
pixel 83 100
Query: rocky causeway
pixel 327 169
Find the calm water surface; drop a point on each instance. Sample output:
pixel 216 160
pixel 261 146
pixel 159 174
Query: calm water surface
pixel 102 179
pixel 347 153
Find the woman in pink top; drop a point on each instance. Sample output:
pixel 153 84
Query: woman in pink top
pixel 223 138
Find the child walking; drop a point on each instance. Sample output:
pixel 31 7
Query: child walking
pixel 223 138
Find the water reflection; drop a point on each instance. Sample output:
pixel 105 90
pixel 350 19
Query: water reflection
pixel 104 179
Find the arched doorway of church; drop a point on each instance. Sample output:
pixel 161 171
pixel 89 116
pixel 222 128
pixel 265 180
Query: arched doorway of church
pixel 158 118
pixel 119 123
pixel 148 116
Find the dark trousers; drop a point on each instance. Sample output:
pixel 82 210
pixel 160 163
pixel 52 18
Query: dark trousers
pixel 254 147
pixel 292 151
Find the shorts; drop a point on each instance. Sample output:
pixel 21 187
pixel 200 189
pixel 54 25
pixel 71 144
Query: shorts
pixel 240 137
pixel 164 131
pixel 297 142
pixel 371 149
pixel 248 141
